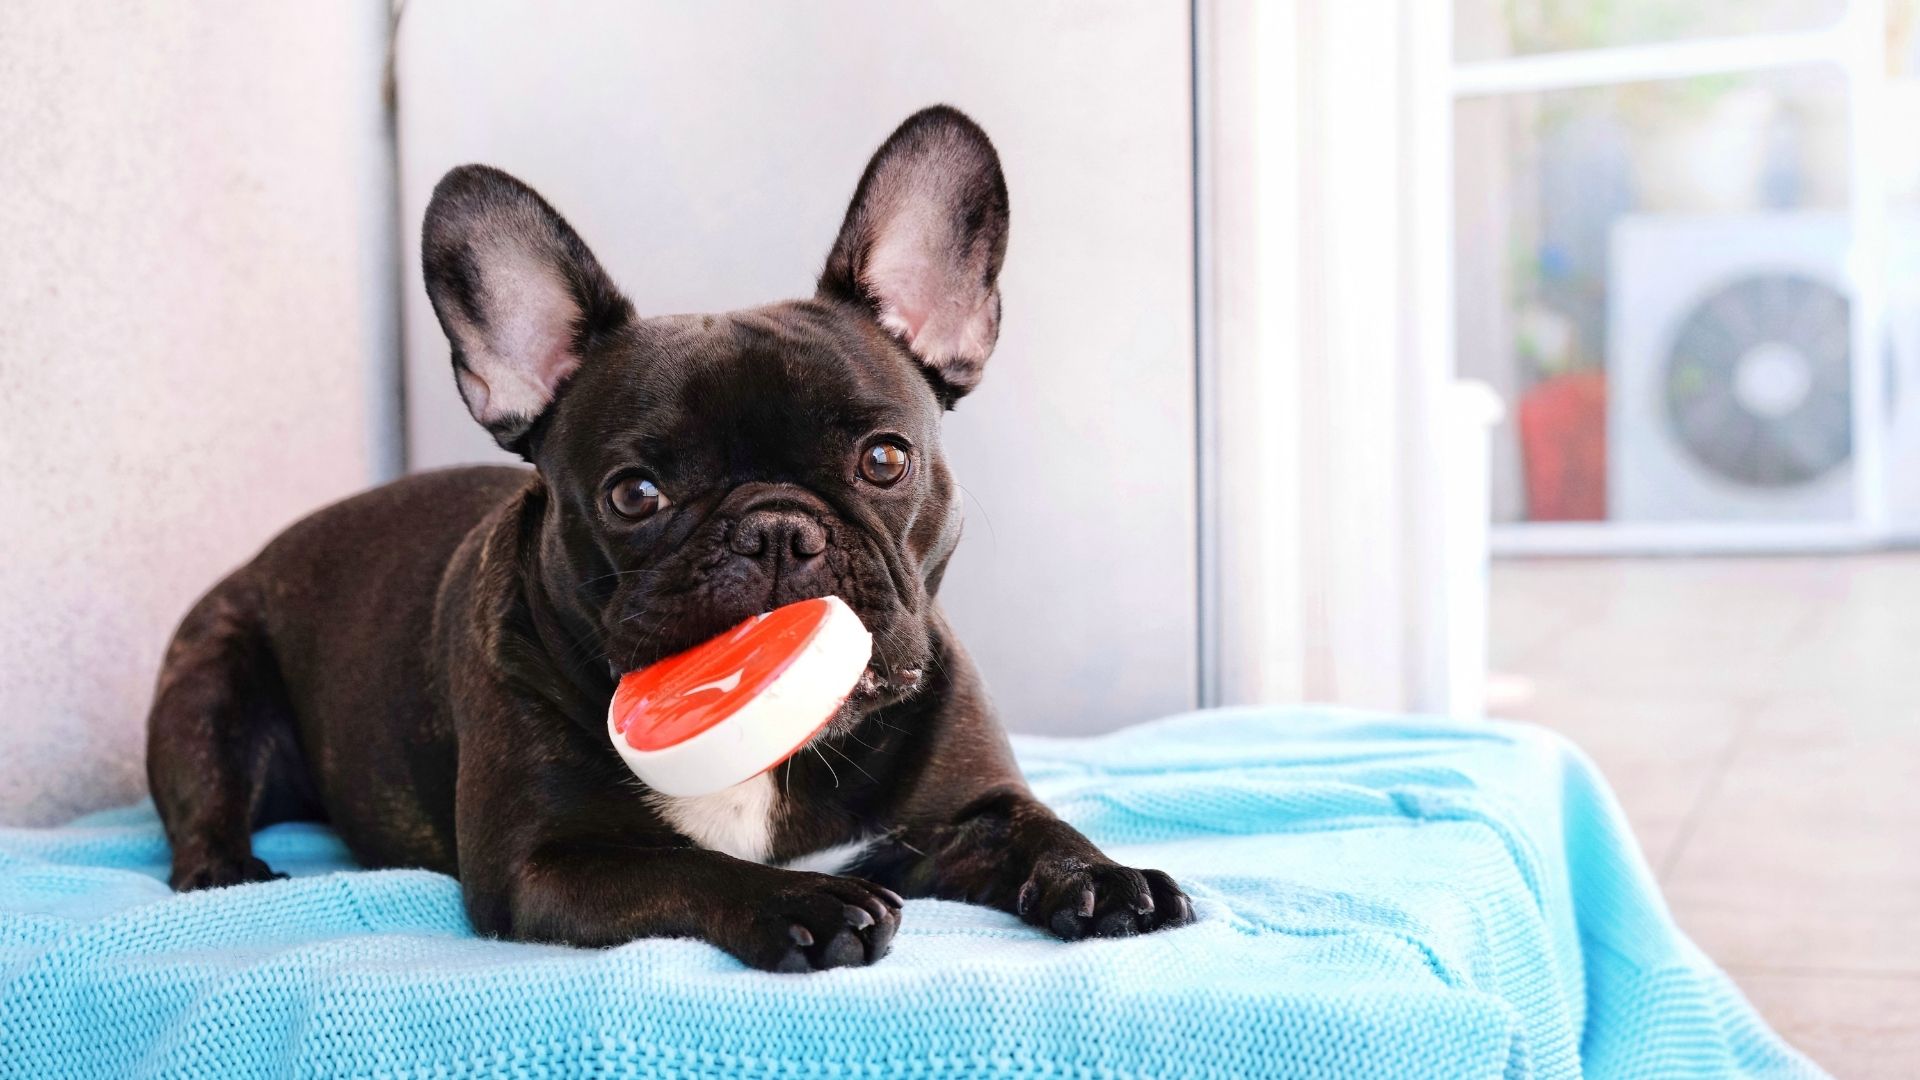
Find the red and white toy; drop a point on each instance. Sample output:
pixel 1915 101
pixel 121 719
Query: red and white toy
pixel 730 709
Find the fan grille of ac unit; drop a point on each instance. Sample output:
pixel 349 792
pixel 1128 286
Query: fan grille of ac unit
pixel 1780 319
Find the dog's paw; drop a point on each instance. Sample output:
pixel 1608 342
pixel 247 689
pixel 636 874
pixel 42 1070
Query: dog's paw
pixel 817 921
pixel 219 873
pixel 1074 899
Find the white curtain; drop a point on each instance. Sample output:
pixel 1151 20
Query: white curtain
pixel 1324 220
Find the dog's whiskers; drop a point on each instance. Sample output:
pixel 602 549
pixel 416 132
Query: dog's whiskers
pixel 823 760
pixel 622 573
pixel 849 760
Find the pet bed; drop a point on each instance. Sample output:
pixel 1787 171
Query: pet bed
pixel 1376 896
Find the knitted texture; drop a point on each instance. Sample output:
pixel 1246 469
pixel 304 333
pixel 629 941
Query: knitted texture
pixel 1377 897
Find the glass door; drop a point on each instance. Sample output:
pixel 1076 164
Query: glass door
pixel 1679 229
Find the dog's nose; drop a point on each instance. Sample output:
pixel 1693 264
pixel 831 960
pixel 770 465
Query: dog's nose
pixel 767 534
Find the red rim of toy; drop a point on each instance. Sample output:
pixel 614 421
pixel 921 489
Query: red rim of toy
pixel 668 702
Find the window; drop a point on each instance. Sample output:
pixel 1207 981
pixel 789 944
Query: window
pixel 1667 252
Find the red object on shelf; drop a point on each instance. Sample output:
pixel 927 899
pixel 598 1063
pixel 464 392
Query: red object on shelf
pixel 1563 447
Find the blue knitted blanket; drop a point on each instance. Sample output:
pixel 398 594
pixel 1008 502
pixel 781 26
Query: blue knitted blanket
pixel 1377 897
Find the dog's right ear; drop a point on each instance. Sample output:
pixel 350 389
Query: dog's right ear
pixel 520 297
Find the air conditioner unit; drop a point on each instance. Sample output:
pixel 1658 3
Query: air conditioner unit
pixel 1730 376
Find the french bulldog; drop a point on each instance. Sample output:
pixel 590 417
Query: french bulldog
pixel 427 666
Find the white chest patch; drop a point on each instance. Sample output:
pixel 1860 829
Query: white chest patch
pixel 833 860
pixel 736 820
pixel 739 822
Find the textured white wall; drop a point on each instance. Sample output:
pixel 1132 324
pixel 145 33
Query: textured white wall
pixel 196 340
pixel 707 151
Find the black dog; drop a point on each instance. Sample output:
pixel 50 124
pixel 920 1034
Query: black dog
pixel 428 666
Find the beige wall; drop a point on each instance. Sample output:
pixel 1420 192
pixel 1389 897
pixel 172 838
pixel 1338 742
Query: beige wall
pixel 196 340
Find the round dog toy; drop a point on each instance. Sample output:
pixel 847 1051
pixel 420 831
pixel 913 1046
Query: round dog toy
pixel 734 707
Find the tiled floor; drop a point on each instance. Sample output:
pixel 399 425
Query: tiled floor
pixel 1760 719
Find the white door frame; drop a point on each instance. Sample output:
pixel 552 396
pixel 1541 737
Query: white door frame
pixel 1324 208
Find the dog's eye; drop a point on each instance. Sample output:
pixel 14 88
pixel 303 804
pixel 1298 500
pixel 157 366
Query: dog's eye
pixel 635 497
pixel 884 462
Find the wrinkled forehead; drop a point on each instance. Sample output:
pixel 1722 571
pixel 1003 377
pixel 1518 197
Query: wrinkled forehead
pixel 794 376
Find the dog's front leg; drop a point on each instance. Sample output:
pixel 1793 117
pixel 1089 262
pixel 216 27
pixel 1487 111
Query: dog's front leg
pixel 1006 850
pixel 593 895
pixel 556 845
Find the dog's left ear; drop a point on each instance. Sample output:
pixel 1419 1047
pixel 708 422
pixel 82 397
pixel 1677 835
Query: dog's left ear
pixel 923 241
